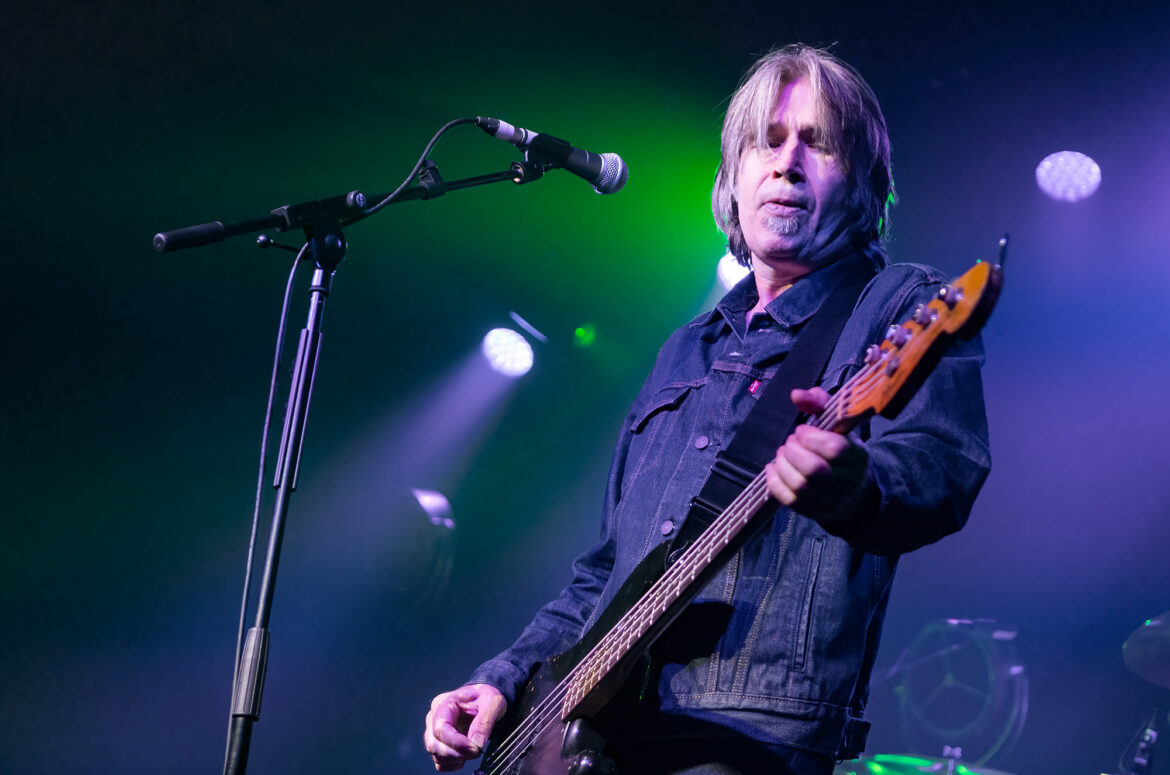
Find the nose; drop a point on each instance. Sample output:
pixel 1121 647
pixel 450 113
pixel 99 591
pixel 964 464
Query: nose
pixel 788 160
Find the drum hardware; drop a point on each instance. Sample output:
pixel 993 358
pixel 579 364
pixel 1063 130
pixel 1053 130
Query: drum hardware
pixel 1146 651
pixel 962 687
pixel 904 764
pixel 1141 760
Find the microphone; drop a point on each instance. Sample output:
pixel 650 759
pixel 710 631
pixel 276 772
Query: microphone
pixel 606 172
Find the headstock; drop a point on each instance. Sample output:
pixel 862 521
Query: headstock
pixel 911 348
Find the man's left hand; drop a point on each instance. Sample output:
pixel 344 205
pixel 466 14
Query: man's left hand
pixel 816 471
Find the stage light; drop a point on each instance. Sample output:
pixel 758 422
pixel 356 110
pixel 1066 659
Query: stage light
pixel 584 335
pixel 436 506
pixel 507 352
pixel 1068 176
pixel 730 271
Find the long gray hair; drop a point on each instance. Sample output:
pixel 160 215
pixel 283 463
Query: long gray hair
pixel 854 129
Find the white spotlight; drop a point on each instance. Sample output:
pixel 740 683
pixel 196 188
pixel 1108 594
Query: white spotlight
pixel 507 352
pixel 1068 176
pixel 730 271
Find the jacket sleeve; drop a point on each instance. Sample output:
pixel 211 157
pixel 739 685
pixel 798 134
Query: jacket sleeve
pixel 556 626
pixel 927 464
pixel 561 622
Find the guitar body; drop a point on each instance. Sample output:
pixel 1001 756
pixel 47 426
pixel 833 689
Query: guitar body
pixel 558 747
pixel 553 744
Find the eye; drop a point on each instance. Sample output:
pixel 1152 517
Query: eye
pixel 774 141
pixel 815 140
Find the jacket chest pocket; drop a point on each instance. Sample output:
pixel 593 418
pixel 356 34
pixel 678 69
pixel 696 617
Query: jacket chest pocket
pixel 658 431
pixel 658 427
pixel 664 402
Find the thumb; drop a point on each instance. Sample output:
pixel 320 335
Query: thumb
pixel 481 726
pixel 812 401
pixel 478 733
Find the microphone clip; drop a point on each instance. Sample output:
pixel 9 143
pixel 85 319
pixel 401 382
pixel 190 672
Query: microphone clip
pixel 430 181
pixel 528 170
pixel 541 154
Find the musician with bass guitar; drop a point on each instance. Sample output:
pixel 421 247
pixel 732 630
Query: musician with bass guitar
pixel 728 619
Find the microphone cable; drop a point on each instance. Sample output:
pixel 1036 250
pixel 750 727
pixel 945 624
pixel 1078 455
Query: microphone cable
pixel 414 172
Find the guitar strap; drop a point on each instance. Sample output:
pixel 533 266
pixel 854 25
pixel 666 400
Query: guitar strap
pixel 774 415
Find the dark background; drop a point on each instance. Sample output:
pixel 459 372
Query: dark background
pixel 134 384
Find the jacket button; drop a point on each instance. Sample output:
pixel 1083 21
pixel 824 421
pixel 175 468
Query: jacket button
pixel 667 527
pixel 702 442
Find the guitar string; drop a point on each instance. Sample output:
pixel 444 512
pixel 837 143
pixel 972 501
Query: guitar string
pixel 750 499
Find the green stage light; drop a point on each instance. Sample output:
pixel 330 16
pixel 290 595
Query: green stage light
pixel 585 335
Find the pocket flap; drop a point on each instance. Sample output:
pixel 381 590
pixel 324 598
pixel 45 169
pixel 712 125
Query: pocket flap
pixel 668 397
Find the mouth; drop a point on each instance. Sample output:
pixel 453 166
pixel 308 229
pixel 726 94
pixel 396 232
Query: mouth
pixel 784 206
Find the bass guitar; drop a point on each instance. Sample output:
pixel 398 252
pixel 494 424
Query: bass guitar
pixel 552 735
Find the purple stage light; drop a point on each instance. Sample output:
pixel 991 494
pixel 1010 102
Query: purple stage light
pixel 507 352
pixel 1068 176
pixel 436 505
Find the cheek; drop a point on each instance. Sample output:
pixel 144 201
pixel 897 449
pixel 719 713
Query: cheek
pixel 741 193
pixel 833 185
pixel 747 179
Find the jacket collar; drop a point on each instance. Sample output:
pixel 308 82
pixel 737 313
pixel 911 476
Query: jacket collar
pixel 790 308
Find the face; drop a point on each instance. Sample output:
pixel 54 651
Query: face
pixel 791 191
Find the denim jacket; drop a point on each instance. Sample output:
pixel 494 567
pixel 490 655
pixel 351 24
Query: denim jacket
pixel 780 645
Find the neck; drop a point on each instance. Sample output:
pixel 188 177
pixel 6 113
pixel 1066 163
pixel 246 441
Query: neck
pixel 773 278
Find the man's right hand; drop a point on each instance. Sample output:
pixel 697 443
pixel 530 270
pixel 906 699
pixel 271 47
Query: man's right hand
pixel 460 723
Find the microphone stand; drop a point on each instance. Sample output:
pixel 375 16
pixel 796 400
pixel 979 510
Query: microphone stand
pixel 322 221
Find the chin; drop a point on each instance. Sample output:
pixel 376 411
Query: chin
pixel 784 251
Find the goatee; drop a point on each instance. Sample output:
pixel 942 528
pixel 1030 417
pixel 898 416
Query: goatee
pixel 782 225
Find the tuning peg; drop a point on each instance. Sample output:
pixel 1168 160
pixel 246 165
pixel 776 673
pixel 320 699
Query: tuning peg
pixel 898 335
pixel 924 315
pixel 950 295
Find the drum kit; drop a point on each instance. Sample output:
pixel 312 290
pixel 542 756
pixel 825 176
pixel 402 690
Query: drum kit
pixel 1146 652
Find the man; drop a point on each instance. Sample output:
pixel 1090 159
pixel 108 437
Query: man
pixel 767 671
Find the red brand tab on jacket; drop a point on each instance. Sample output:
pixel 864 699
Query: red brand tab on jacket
pixel 752 388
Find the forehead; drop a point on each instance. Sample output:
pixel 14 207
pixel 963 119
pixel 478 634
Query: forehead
pixel 796 106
